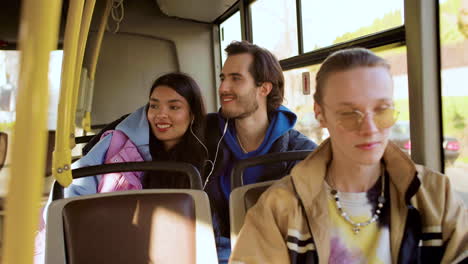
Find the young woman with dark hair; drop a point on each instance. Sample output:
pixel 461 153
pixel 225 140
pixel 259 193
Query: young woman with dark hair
pixel 169 127
pixel 183 142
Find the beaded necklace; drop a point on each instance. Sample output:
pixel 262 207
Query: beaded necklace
pixel 357 226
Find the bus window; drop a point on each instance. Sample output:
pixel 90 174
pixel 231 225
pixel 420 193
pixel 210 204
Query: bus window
pixel 302 104
pixel 330 22
pixel 229 31
pixel 454 66
pixel 400 132
pixel 274 26
pixel 9 70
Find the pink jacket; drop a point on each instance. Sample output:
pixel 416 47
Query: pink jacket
pixel 121 149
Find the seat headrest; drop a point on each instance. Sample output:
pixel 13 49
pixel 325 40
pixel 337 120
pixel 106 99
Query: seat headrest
pixel 136 228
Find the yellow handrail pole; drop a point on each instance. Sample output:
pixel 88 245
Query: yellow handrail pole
pixel 84 31
pixel 38 37
pixel 97 47
pixel 62 153
pixel 92 67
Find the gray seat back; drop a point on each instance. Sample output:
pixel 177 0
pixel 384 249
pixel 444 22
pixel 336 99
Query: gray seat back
pixel 146 226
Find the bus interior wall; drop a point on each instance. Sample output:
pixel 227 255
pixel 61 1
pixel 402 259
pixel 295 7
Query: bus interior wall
pixel 147 45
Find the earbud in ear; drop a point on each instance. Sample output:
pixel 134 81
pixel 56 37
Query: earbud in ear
pixel 193 119
pixel 320 118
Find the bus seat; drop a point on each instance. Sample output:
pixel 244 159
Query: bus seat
pixel 3 148
pixel 145 226
pixel 3 154
pixel 89 142
pixel 237 173
pixel 50 152
pixel 243 197
pixel 83 139
pixel 187 170
pixel 241 200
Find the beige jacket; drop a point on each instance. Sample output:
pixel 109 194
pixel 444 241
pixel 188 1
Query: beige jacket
pixel 428 223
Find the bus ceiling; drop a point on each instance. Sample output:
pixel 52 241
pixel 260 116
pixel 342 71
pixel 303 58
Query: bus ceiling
pixel 184 9
pixel 195 10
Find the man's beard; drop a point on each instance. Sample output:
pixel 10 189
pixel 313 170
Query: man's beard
pixel 249 104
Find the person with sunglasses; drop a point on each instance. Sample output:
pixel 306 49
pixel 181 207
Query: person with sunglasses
pixel 357 198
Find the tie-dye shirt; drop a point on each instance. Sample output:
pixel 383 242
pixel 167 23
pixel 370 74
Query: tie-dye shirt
pixel 371 244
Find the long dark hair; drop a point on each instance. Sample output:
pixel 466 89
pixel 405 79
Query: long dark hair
pixel 188 149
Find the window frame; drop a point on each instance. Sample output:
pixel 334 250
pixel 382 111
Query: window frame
pixel 383 40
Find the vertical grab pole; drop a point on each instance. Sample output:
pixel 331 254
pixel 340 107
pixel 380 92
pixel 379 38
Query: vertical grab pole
pixel 62 154
pixel 92 67
pixel 38 37
pixel 84 31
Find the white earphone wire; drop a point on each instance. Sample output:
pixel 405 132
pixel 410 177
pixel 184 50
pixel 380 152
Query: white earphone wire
pixel 216 155
pixel 207 152
pixel 199 141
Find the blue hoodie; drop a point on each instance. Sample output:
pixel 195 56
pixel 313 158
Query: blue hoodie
pixel 280 137
pixel 280 122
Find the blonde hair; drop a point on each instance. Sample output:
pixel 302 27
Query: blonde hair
pixel 343 60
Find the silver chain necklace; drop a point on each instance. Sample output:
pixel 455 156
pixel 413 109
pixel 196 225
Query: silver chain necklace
pixel 357 226
pixel 240 144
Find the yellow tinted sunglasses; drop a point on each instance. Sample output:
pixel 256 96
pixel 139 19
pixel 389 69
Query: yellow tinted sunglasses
pixel 352 121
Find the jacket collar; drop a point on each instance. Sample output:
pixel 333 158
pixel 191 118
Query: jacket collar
pixel 310 173
pixel 402 171
pixel 308 177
